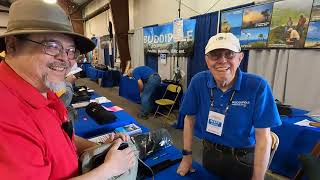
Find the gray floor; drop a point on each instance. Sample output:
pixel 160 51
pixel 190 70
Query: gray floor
pixel 133 109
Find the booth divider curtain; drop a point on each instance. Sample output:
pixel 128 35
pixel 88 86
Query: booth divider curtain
pixel 206 27
pixel 136 48
pixel 292 74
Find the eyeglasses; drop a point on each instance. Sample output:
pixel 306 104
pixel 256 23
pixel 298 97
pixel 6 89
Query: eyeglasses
pixel 227 54
pixel 54 48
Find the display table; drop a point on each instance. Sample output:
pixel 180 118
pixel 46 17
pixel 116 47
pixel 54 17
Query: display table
pixel 294 140
pixel 86 127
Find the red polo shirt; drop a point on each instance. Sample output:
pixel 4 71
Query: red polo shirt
pixel 32 143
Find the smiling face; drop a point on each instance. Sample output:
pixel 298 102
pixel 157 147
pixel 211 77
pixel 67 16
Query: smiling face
pixel 223 64
pixel 31 61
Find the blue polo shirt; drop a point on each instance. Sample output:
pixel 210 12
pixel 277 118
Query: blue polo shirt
pixel 142 72
pixel 252 106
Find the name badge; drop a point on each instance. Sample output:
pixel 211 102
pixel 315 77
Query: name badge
pixel 215 123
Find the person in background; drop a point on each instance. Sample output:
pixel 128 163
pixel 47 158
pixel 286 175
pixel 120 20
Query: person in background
pixel 288 25
pixel 40 45
pixel 300 26
pixel 148 82
pixel 294 37
pixel 235 111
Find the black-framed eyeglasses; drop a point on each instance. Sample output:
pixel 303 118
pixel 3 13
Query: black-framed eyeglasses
pixel 54 48
pixel 216 55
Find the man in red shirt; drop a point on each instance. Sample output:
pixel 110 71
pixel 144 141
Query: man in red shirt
pixel 40 45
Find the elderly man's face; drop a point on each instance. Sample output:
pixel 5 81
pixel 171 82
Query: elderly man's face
pixel 223 64
pixel 46 71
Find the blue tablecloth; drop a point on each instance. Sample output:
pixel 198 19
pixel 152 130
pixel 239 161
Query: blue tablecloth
pixel 85 67
pixel 173 153
pixel 94 74
pixel 128 88
pixel 86 127
pixel 294 140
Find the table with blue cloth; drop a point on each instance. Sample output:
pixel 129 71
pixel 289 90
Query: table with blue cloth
pixel 86 127
pixel 129 89
pixel 94 74
pixel 85 67
pixel 294 140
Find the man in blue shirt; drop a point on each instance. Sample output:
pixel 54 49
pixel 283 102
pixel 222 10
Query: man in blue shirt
pixel 148 82
pixel 234 110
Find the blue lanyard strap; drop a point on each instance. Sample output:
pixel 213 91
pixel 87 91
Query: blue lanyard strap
pixel 229 102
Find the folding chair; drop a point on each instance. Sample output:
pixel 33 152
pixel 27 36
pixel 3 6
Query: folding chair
pixel 274 146
pixel 168 102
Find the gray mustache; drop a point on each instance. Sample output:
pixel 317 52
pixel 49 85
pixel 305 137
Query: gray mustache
pixel 59 64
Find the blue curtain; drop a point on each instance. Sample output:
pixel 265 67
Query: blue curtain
pixel 206 27
pixel 151 60
pixel 108 59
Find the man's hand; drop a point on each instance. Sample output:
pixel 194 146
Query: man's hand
pixel 119 161
pixel 112 136
pixel 185 166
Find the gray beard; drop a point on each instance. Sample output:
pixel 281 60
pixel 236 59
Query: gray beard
pixel 55 87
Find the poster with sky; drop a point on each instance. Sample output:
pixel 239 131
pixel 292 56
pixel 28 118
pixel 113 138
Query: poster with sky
pixel 313 36
pixel 289 23
pixel 315 13
pixel 231 21
pixel 254 38
pixel 257 16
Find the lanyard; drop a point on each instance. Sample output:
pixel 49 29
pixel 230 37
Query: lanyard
pixel 229 102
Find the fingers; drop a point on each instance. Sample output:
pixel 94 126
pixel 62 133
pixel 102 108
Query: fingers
pixel 116 144
pixel 183 170
pixel 124 137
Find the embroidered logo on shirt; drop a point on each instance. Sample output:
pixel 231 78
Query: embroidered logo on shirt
pixel 240 103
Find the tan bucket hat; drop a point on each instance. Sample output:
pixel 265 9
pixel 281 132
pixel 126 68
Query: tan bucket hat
pixel 36 16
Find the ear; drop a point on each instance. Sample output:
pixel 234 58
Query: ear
pixel 241 55
pixel 11 43
pixel 207 61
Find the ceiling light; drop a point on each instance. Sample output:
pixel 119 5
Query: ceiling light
pixel 50 1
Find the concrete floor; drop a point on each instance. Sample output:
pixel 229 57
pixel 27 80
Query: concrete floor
pixel 159 122
pixel 133 109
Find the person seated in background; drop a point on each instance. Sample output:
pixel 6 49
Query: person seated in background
pixel 294 37
pixel 235 111
pixel 148 82
pixel 40 46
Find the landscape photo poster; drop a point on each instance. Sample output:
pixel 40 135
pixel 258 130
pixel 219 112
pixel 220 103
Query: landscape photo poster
pixel 289 23
pixel 257 16
pixel 254 38
pixel 255 26
pixel 315 13
pixel 231 21
pixel 313 36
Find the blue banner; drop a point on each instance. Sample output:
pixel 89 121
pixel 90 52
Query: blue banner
pixel 159 39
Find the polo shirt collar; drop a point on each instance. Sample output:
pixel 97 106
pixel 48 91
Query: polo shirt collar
pixel 211 83
pixel 22 88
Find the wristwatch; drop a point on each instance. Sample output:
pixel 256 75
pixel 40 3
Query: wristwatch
pixel 186 152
